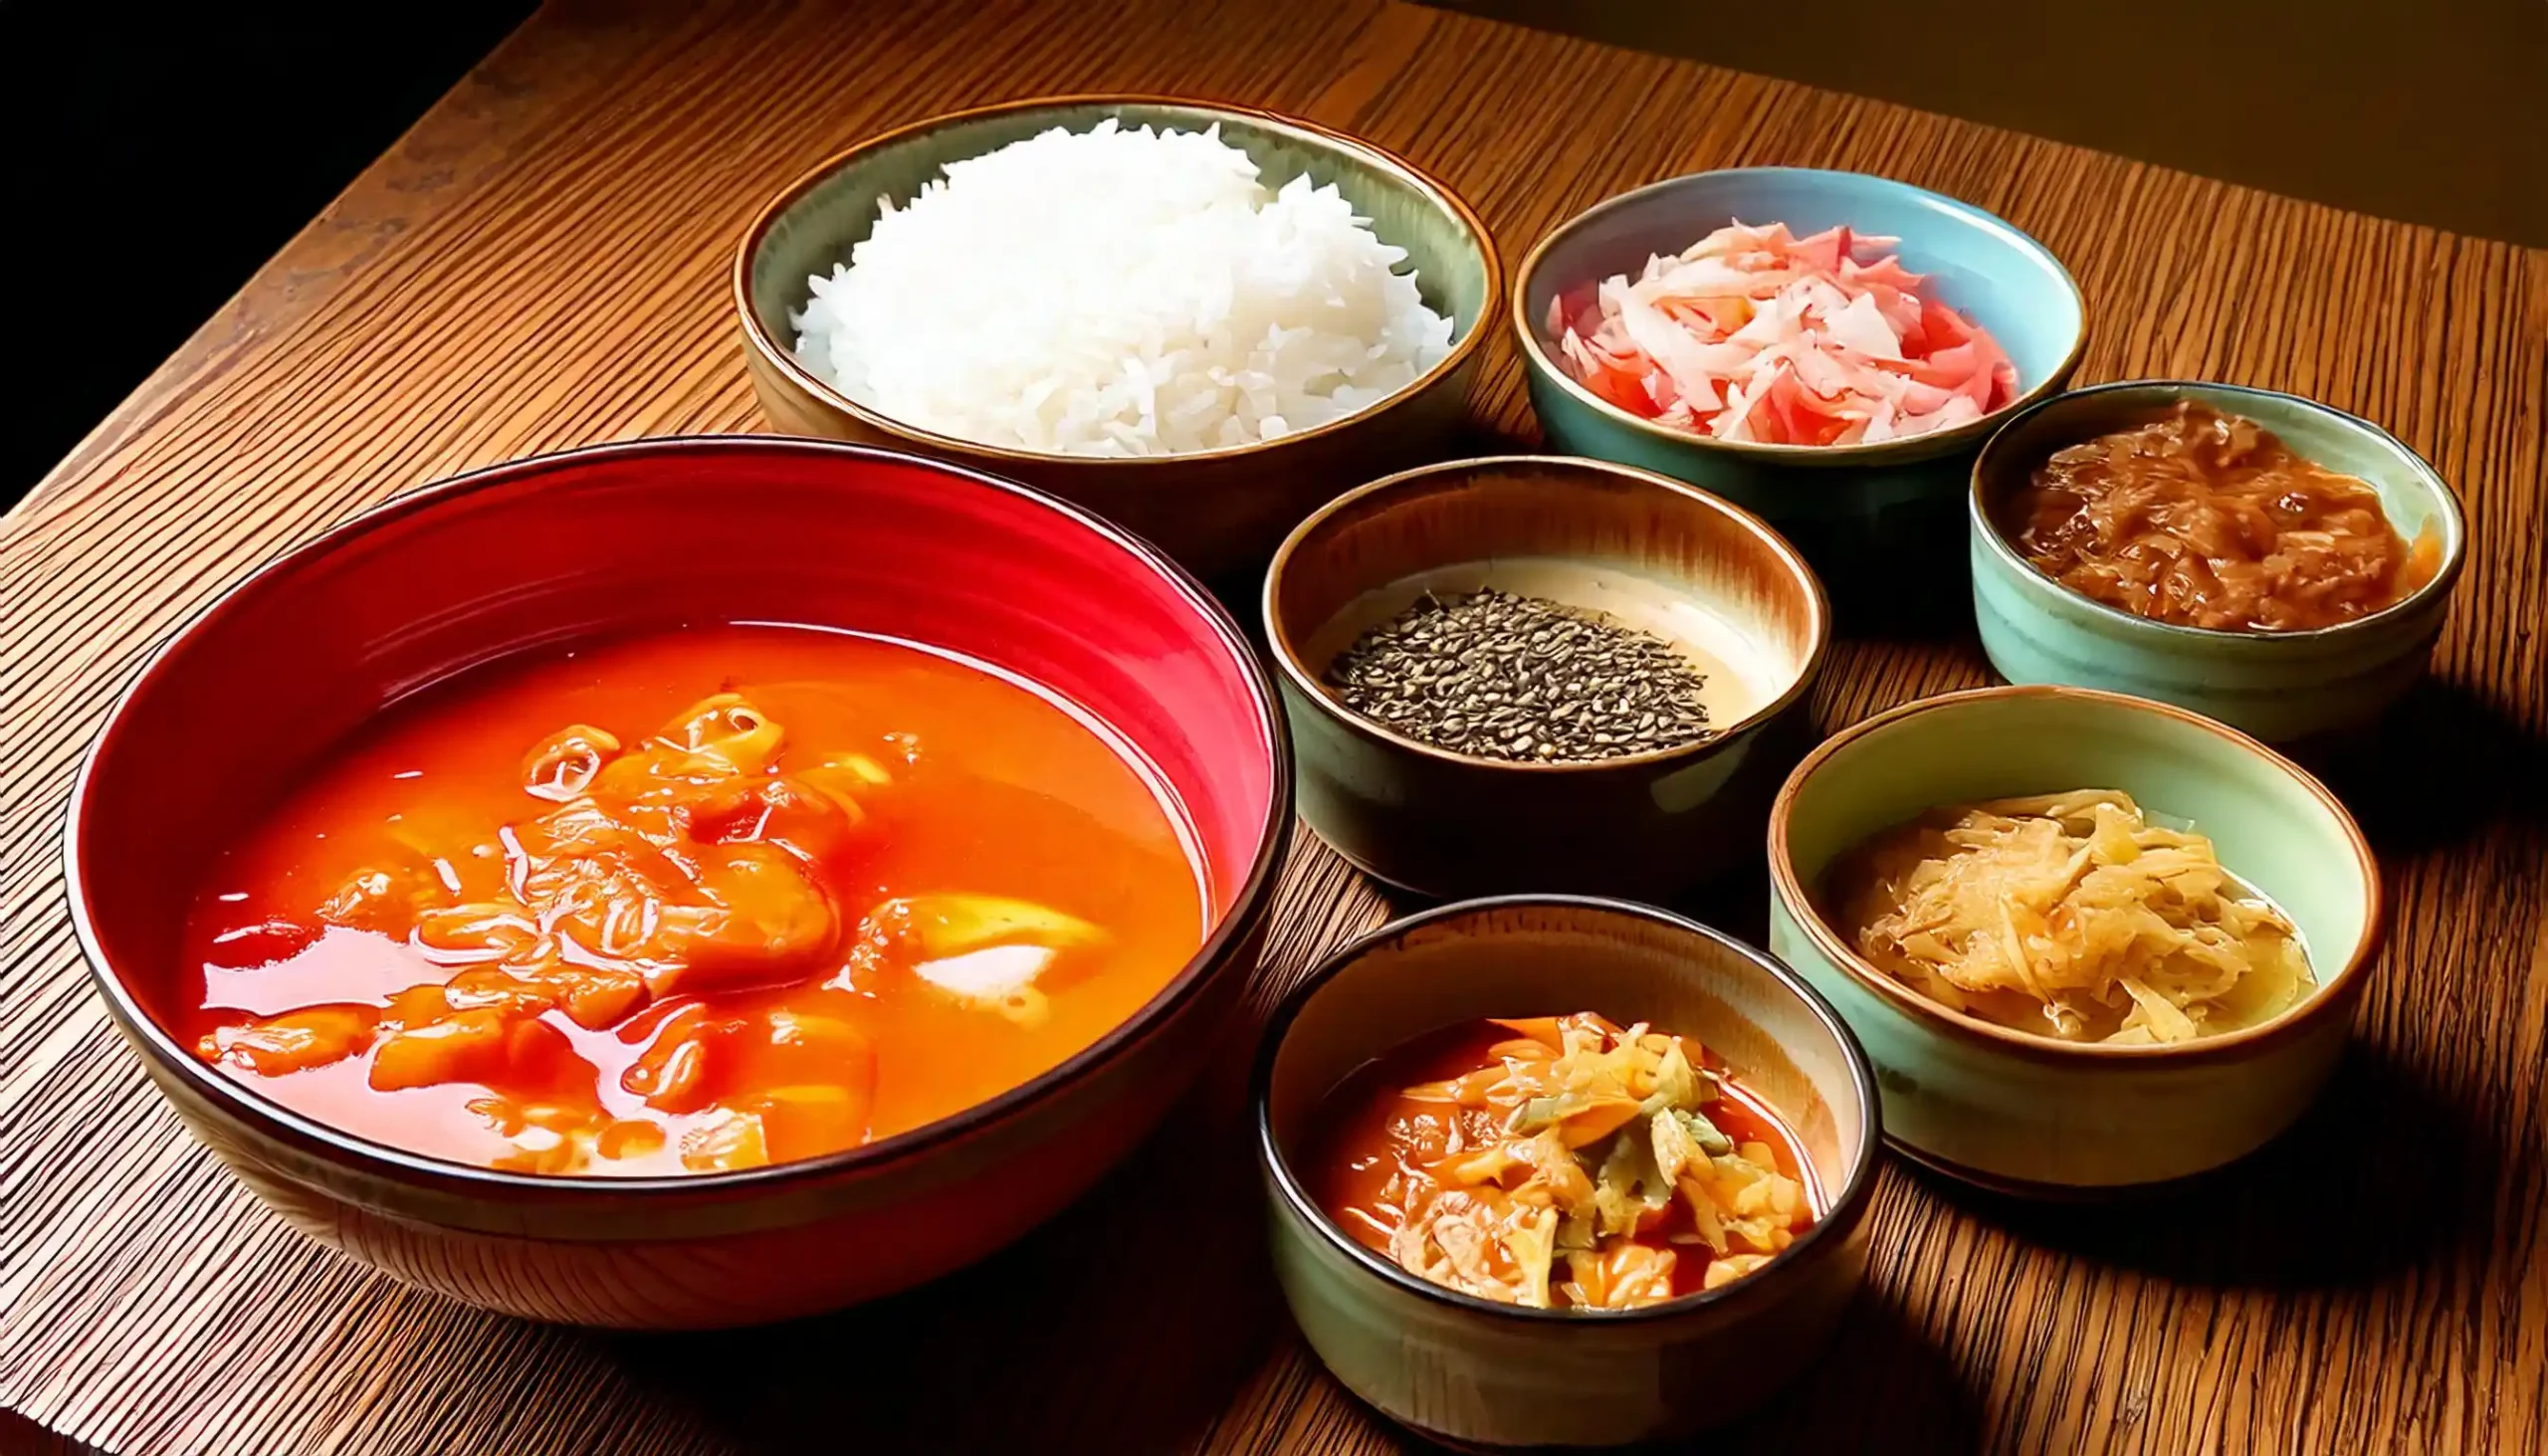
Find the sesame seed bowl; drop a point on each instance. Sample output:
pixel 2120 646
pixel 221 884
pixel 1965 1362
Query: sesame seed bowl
pixel 1649 599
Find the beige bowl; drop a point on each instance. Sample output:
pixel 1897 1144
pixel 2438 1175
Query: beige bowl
pixel 1213 509
pixel 1662 555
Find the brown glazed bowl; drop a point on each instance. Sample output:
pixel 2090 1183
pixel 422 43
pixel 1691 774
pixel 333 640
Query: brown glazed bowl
pixel 1214 511
pixel 277 672
pixel 1489 1377
pixel 1653 552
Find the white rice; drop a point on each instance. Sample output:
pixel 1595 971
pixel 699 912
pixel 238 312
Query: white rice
pixel 1119 293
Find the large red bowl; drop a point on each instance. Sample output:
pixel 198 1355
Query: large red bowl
pixel 436 582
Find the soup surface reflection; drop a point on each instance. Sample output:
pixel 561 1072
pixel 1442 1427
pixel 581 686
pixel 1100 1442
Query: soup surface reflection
pixel 690 901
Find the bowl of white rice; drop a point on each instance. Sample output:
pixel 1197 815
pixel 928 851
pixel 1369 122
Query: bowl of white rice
pixel 1201 320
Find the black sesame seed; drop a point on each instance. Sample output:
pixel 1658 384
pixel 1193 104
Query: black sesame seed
pixel 1506 677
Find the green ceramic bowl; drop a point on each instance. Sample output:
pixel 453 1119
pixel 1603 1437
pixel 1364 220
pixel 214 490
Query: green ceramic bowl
pixel 2025 1112
pixel 1881 522
pixel 1485 1375
pixel 1652 551
pixel 2279 686
pixel 1216 510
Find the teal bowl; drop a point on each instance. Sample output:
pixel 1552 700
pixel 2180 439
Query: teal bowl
pixel 1488 1377
pixel 2279 686
pixel 1868 516
pixel 2026 1114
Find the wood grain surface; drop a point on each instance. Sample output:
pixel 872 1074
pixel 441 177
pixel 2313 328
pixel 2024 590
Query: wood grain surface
pixel 541 263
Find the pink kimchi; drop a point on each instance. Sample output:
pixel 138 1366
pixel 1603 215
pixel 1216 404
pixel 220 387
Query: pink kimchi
pixel 1755 334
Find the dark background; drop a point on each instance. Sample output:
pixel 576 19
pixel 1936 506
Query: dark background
pixel 2433 111
pixel 165 150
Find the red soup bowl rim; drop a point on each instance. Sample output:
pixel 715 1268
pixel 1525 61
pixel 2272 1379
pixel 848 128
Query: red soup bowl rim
pixel 241 1101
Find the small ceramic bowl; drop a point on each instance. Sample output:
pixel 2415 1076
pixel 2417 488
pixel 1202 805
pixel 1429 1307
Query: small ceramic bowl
pixel 233 709
pixel 1484 1376
pixel 1216 510
pixel 2026 1114
pixel 1869 517
pixel 2279 686
pixel 1653 553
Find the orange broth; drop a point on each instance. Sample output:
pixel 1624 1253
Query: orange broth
pixel 734 972
pixel 1378 1140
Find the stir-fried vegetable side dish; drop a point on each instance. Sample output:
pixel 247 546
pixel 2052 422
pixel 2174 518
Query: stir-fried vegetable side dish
pixel 2205 519
pixel 2069 916
pixel 1561 1163
pixel 774 923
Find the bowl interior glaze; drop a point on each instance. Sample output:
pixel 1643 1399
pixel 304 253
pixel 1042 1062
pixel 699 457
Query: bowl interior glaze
pixel 815 225
pixel 2003 279
pixel 2271 824
pixel 652 534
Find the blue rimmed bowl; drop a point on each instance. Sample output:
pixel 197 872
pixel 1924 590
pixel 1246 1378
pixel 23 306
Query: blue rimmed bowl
pixel 2278 686
pixel 1868 516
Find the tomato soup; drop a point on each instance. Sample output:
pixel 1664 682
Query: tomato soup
pixel 690 901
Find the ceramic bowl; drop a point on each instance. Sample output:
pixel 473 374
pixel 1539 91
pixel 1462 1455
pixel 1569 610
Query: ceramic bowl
pixel 2026 1114
pixel 1216 510
pixel 442 580
pixel 1871 517
pixel 2279 686
pixel 1484 1376
pixel 1653 553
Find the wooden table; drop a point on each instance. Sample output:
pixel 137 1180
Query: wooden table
pixel 541 263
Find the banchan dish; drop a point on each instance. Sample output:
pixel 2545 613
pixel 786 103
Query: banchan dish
pixel 672 534
pixel 1645 550
pixel 1872 517
pixel 1486 1375
pixel 2030 1112
pixel 2279 686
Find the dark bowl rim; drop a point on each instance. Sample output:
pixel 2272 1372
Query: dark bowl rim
pixel 236 1098
pixel 1846 1204
pixel 1994 456
pixel 1918 447
pixel 1463 348
pixel 1439 475
pixel 2333 994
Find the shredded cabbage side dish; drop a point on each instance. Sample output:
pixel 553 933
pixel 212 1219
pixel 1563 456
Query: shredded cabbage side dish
pixel 2073 916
